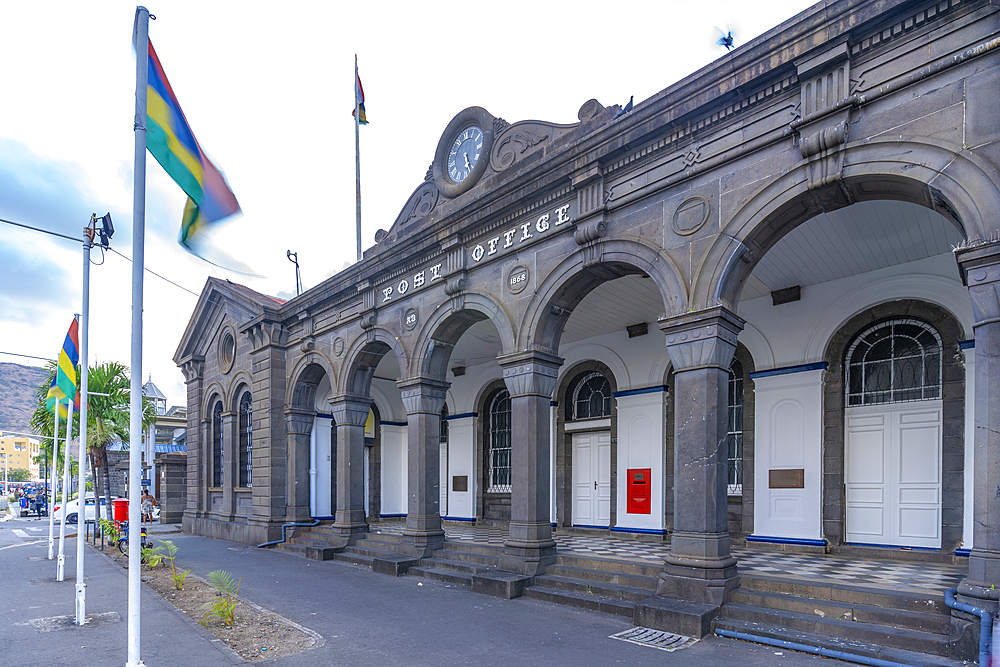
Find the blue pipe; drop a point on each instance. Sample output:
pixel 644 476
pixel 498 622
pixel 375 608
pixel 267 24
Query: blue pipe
pixel 985 623
pixel 283 527
pixel 805 648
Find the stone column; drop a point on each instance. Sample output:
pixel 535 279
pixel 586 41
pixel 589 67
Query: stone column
pixel 195 478
pixel 530 378
pixel 298 429
pixel 700 567
pixel 980 268
pixel 423 399
pixel 350 414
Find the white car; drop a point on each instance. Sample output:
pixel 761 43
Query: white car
pixel 73 509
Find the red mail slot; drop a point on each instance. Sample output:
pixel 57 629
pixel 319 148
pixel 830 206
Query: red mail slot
pixel 639 489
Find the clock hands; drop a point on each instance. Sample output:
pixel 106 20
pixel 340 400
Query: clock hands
pixel 467 165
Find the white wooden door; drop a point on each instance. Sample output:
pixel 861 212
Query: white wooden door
pixel 592 479
pixel 892 473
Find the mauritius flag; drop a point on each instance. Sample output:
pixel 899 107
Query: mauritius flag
pixel 64 383
pixel 170 140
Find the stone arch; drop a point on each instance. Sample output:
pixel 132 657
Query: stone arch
pixel 364 355
pixel 565 286
pixel 956 184
pixel 304 381
pixel 447 324
pixel 600 354
pixel 236 385
pixel 953 395
pixel 213 393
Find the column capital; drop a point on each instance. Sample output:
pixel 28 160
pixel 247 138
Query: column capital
pixel 531 373
pixel 423 394
pixel 298 422
pixel 980 268
pixel 349 409
pixel 702 339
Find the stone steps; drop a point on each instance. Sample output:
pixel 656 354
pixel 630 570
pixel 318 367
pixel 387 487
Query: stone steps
pixel 457 563
pixel 580 600
pixel 610 587
pixel 915 629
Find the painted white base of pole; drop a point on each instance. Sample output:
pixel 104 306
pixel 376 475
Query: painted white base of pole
pixel 81 603
pixel 61 568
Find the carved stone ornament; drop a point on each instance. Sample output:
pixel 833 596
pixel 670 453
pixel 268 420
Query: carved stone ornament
pixel 514 143
pixel 980 266
pixel 264 334
pixel 589 110
pixel 417 207
pixel 691 215
pixel 423 395
pixel 531 373
pixel 369 321
pixel 410 319
pixel 590 230
pixel 706 338
pixel 338 346
pixel 298 422
pixel 456 284
pixel 350 410
pixel 825 155
pixel 192 369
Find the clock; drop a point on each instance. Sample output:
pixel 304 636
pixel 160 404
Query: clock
pixel 462 154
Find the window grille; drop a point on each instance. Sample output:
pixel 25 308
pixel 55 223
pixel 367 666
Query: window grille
pixel 592 397
pixel 246 440
pixel 217 445
pixel 734 435
pixel 498 439
pixel 894 362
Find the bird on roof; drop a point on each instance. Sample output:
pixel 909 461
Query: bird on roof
pixel 624 110
pixel 725 39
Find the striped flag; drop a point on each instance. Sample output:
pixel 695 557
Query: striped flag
pixel 64 383
pixel 359 97
pixel 170 140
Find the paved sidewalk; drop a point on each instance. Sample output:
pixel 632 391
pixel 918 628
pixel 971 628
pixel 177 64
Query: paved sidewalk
pixel 363 618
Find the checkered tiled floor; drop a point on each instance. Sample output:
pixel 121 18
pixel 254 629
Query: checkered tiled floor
pixel 829 568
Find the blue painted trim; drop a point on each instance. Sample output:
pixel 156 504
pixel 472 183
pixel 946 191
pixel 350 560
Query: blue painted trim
pixel 324 415
pixel 645 390
pixel 785 540
pixel 553 404
pixel 643 531
pixel 391 516
pixel 461 416
pixel 385 423
pixel 458 518
pixel 788 370
pixel 583 525
pixel 963 553
pixel 324 518
pixel 966 344
pixel 890 546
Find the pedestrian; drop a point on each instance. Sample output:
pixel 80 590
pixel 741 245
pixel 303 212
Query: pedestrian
pixel 39 505
pixel 148 501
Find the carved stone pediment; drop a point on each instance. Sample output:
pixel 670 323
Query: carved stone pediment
pixel 522 139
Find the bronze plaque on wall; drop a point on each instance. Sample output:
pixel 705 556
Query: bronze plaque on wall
pixel 460 483
pixel 786 479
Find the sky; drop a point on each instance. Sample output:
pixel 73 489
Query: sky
pixel 268 93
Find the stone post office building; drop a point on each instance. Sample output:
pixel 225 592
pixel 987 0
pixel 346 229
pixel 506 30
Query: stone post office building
pixel 762 305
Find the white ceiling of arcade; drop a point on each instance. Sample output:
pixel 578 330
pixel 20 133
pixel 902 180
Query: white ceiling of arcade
pixel 857 239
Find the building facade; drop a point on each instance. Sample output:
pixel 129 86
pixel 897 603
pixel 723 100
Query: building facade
pixel 20 452
pixel 761 305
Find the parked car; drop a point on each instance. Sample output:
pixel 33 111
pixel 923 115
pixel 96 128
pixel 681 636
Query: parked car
pixel 73 509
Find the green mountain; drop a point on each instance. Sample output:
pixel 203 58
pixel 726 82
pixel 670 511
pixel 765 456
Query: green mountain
pixel 17 395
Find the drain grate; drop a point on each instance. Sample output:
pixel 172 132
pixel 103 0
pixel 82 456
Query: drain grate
pixel 665 641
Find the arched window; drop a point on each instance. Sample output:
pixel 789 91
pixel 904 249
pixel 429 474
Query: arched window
pixel 498 442
pixel 591 397
pixel 893 362
pixel 246 440
pixel 734 434
pixel 217 445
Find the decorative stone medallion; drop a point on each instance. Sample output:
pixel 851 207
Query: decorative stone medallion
pixel 338 346
pixel 517 279
pixel 410 319
pixel 691 215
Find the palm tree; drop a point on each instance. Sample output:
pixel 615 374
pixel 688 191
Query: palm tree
pixel 107 416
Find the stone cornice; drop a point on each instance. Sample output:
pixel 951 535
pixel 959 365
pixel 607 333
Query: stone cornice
pixel 532 373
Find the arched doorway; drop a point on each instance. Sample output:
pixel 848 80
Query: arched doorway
pixel 893 435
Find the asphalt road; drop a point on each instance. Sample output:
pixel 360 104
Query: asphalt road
pixel 364 618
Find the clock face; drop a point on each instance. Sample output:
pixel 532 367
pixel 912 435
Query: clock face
pixel 464 153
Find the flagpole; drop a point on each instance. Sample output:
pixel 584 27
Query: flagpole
pixel 141 35
pixel 81 586
pixel 52 475
pixel 61 562
pixel 357 152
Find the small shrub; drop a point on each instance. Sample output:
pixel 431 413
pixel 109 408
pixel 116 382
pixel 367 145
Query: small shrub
pixel 151 557
pixel 110 529
pixel 170 555
pixel 226 589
